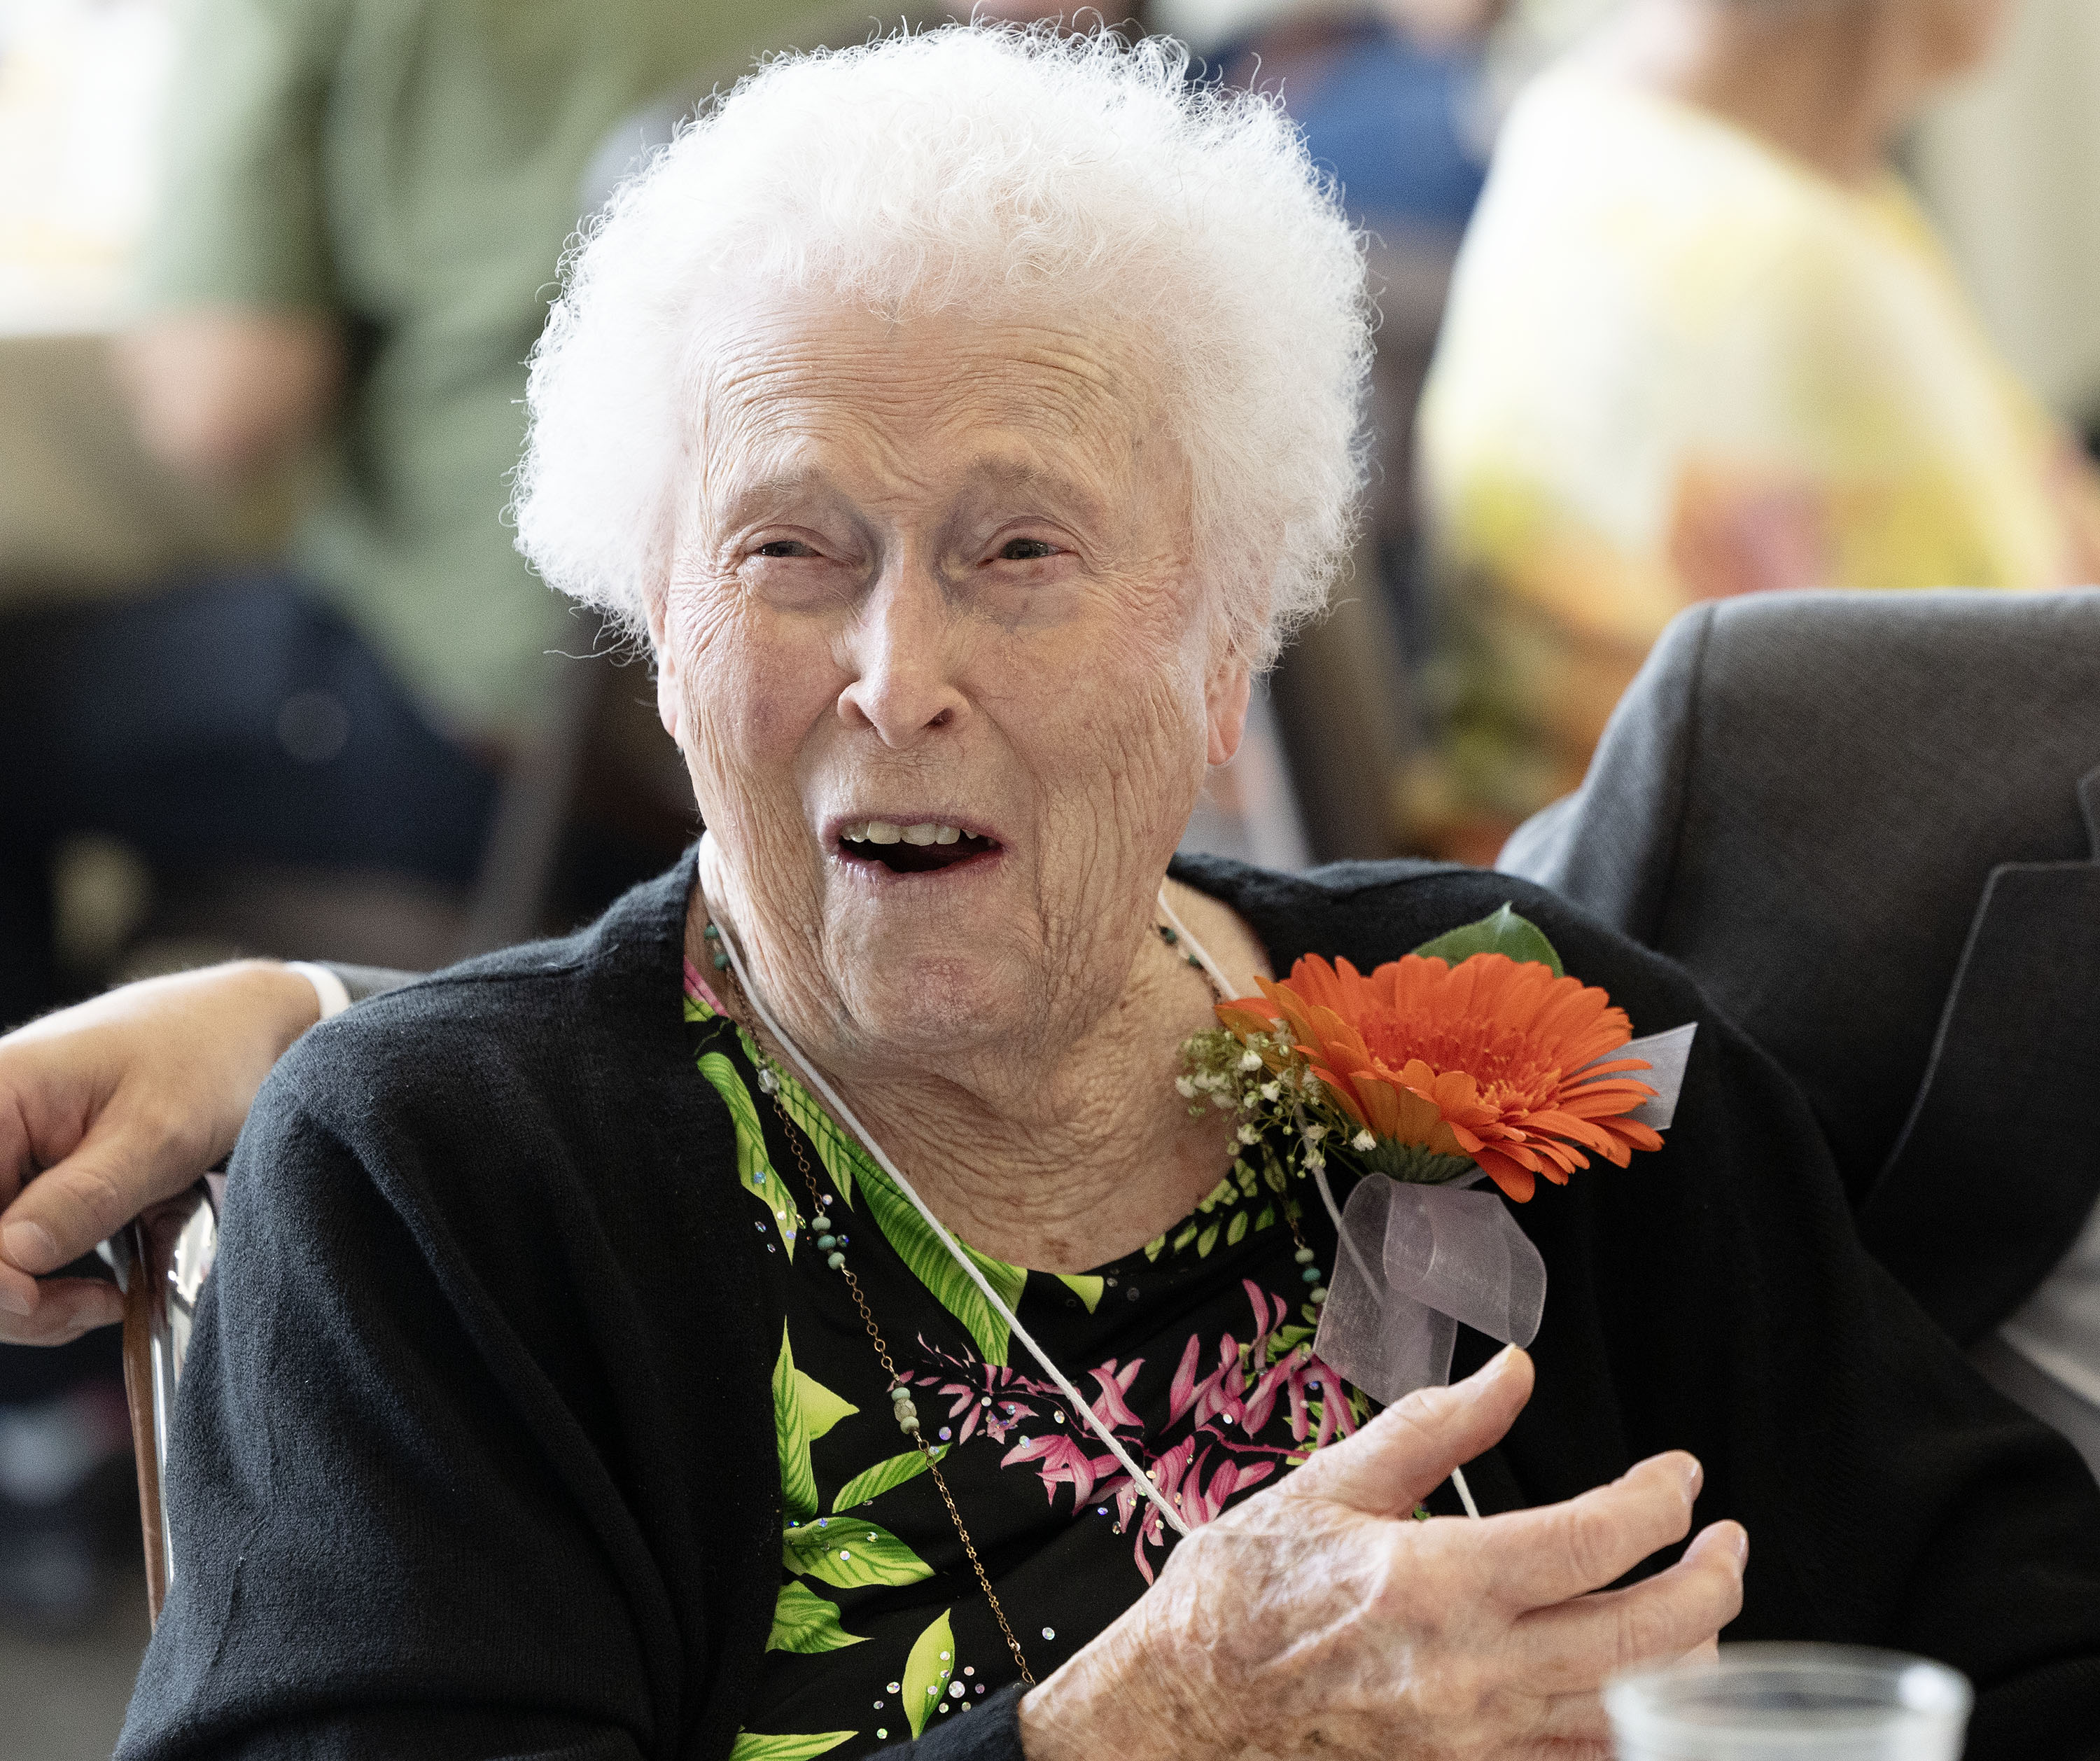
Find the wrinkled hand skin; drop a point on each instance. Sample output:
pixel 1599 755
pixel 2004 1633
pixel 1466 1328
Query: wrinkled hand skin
pixel 114 1105
pixel 1319 1618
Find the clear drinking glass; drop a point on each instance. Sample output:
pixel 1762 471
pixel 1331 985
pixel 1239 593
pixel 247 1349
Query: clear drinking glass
pixel 1788 1702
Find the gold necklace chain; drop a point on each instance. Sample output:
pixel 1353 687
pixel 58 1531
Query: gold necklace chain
pixel 771 1077
pixel 906 1414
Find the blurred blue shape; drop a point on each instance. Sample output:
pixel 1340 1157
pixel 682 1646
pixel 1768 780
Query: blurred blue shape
pixel 1390 119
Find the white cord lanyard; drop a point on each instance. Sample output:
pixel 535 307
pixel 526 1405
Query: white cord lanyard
pixel 1342 1236
pixel 1138 1478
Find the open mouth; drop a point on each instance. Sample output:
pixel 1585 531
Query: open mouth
pixel 919 849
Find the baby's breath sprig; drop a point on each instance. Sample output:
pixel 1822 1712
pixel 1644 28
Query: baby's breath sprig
pixel 1270 1089
pixel 1268 1086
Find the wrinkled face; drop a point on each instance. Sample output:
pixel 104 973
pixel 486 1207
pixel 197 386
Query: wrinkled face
pixel 944 672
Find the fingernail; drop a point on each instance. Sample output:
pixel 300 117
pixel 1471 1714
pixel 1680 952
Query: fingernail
pixel 96 1311
pixel 1695 1477
pixel 30 1246
pixel 1491 1369
pixel 1742 1545
pixel 14 1301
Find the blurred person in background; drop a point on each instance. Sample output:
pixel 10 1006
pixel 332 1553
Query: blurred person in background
pixel 1701 342
pixel 1390 94
pixel 363 208
pixel 1396 100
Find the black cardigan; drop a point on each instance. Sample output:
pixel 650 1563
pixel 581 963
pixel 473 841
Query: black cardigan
pixel 464 1452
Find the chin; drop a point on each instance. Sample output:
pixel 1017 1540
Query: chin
pixel 943 1002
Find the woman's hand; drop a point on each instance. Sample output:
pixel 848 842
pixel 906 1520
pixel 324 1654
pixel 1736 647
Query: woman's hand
pixel 1319 1617
pixel 114 1105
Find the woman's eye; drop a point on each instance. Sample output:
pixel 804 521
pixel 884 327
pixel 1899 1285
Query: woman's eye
pixel 1026 550
pixel 785 547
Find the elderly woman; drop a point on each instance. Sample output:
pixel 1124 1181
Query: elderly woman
pixel 587 1373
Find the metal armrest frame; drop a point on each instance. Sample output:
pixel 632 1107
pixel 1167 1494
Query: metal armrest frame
pixel 161 1260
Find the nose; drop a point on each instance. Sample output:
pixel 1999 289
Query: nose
pixel 899 654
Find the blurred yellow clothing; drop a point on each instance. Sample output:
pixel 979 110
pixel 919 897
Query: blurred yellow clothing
pixel 1678 363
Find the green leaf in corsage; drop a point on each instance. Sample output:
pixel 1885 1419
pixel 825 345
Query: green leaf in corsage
pixel 1501 931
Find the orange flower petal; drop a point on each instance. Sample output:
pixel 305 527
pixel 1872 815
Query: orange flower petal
pixel 1492 1058
pixel 1380 1104
pixel 1243 1019
pixel 1518 1183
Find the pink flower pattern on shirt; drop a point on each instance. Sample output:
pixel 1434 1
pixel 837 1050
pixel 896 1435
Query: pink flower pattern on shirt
pixel 1227 1412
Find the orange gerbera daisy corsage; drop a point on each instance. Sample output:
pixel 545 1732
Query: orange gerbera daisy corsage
pixel 1494 1063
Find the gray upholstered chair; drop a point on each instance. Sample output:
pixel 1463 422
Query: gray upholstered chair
pixel 1870 824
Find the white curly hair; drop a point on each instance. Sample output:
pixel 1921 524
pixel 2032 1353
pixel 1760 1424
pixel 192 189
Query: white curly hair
pixel 990 169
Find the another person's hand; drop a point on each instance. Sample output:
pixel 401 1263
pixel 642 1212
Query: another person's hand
pixel 114 1105
pixel 2074 485
pixel 1319 1615
pixel 223 393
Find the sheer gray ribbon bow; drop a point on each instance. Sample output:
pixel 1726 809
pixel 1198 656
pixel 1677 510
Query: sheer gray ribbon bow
pixel 1416 1260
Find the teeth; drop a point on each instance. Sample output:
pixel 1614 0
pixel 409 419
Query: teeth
pixel 886 832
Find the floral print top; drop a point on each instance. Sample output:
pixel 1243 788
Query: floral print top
pixel 1197 1349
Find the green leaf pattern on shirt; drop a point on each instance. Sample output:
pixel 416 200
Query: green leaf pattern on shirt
pixel 844 1159
pixel 798 1483
pixel 803 1410
pixel 1087 1287
pixel 882 1476
pixel 848 1164
pixel 849 1553
pixel 841 1550
pixel 921 1249
pixel 821 1408
pixel 927 1671
pixel 804 1622
pixel 1236 1193
pixel 752 1745
pixel 754 1167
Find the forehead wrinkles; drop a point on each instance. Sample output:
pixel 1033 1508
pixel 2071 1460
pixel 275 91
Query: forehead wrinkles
pixel 906 391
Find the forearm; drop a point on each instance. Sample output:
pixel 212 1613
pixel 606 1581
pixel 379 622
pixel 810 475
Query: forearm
pixel 115 1104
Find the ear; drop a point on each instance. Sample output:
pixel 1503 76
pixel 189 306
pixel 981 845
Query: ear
pixel 1225 702
pixel 670 703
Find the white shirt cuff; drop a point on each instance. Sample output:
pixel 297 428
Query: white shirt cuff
pixel 335 998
